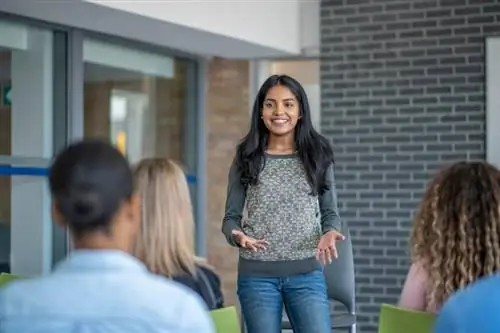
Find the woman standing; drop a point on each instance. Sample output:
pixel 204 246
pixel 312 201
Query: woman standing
pixel 283 174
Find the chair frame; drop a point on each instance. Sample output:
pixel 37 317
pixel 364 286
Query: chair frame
pixel 342 270
pixel 340 280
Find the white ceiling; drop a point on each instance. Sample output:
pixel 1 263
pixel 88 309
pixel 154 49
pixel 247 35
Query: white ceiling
pixel 192 40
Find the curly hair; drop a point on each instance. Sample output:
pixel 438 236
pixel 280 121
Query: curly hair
pixel 456 234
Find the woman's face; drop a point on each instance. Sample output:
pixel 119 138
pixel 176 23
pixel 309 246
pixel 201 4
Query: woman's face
pixel 280 111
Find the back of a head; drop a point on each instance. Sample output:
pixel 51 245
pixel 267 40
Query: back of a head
pixel 89 180
pixel 456 234
pixel 165 243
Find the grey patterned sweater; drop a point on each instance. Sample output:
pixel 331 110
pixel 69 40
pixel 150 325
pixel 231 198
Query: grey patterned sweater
pixel 281 211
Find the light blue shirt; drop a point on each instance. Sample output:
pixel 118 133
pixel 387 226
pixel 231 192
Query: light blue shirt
pixel 475 309
pixel 101 292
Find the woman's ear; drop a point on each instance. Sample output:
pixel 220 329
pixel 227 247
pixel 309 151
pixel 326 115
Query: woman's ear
pixel 57 216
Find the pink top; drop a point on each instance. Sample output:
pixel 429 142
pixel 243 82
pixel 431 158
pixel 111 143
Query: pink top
pixel 414 290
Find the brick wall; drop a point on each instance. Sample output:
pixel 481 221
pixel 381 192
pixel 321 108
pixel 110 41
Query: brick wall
pixel 227 123
pixel 402 94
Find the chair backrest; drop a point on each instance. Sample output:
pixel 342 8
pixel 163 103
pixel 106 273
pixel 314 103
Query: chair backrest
pixel 226 320
pixel 339 275
pixel 5 278
pixel 396 320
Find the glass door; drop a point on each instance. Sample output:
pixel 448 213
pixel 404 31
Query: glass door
pixel 26 147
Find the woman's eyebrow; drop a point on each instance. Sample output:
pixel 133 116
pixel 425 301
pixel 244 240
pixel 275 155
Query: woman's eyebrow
pixel 283 100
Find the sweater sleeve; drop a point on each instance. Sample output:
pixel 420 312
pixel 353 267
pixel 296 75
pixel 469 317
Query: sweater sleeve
pixel 235 203
pixel 328 205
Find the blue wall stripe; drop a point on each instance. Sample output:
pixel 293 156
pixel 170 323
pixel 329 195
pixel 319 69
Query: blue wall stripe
pixel 7 170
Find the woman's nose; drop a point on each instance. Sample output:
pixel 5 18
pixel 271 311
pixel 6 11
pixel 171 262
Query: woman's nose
pixel 279 111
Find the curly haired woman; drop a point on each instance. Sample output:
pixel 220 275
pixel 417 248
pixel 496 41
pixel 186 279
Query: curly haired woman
pixel 456 235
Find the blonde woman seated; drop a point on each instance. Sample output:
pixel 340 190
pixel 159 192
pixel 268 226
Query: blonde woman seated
pixel 166 240
pixel 456 235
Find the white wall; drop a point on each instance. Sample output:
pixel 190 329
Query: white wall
pixel 309 27
pixel 268 23
pixel 232 29
pixel 493 100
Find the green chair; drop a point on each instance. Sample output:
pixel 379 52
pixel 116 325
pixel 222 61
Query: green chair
pixel 226 320
pixel 5 278
pixel 397 320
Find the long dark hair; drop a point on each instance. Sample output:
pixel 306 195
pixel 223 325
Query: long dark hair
pixel 313 149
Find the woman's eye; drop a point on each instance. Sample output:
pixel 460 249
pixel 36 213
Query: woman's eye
pixel 289 105
pixel 268 105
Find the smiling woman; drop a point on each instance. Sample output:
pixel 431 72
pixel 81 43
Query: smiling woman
pixel 280 110
pixel 283 173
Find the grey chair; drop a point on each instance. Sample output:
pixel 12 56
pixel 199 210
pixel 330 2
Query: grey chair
pixel 339 276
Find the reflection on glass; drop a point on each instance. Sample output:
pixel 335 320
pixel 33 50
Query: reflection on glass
pixel 135 99
pixel 142 102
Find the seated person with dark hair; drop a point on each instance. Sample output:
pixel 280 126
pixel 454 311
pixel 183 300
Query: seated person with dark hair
pixel 100 287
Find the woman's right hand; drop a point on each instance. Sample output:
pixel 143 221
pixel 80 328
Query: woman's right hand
pixel 249 242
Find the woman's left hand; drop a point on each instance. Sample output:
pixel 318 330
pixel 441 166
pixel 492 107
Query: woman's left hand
pixel 327 249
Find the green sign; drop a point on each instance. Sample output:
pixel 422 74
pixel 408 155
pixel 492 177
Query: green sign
pixel 6 95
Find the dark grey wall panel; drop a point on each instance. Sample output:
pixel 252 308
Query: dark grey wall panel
pixel 402 95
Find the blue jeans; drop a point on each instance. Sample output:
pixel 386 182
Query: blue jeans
pixel 304 297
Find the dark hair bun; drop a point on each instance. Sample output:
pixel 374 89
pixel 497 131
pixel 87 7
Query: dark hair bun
pixel 82 208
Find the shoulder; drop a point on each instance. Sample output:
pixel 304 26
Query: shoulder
pixel 324 147
pixel 187 301
pixel 212 277
pixel 169 287
pixel 23 287
pixel 20 295
pixel 205 268
pixel 479 291
pixel 143 296
pixel 234 168
pixel 189 310
pixel 466 308
pixel 417 271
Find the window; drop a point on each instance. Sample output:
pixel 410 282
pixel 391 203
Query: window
pixel 143 102
pixel 26 145
pixel 139 101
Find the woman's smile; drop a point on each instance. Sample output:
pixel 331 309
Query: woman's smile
pixel 280 121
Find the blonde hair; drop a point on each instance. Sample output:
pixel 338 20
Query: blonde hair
pixel 166 240
pixel 456 234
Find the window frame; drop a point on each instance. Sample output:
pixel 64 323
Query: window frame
pixel 69 111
